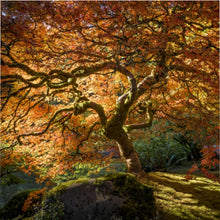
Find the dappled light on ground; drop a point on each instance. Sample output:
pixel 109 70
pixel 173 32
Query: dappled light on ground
pixel 178 198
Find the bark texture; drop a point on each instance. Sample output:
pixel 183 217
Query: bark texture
pixel 126 149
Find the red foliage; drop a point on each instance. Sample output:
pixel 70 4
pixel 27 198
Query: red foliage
pixel 67 68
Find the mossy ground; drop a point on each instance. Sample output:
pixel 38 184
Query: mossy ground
pixel 177 198
pixel 62 187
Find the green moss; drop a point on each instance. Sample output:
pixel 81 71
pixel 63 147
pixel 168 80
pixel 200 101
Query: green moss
pixel 13 207
pixel 139 197
pixel 57 190
pixel 177 198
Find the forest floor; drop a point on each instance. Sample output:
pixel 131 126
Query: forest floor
pixel 177 198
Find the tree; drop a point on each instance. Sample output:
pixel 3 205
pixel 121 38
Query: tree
pixel 73 73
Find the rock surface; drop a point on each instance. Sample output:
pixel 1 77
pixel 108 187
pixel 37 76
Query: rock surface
pixel 116 196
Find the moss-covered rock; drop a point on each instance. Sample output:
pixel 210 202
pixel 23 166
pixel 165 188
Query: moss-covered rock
pixel 115 196
pixel 13 207
pixel 139 203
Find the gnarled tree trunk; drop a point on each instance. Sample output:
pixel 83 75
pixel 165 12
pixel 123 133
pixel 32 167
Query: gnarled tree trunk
pixel 131 157
pixel 127 151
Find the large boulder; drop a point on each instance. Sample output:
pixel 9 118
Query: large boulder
pixel 115 196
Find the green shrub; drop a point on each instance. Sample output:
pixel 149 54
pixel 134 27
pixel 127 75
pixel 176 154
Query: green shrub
pixel 13 207
pixel 160 152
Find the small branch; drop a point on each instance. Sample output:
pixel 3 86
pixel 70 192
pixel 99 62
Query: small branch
pixel 187 69
pixel 13 94
pixel 150 114
pixel 23 67
pixel 26 81
pixel 85 139
pixel 81 107
pixel 47 127
pixel 8 147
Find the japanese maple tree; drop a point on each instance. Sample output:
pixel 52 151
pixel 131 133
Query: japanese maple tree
pixel 77 75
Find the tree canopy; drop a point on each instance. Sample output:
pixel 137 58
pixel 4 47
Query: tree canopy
pixel 79 77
